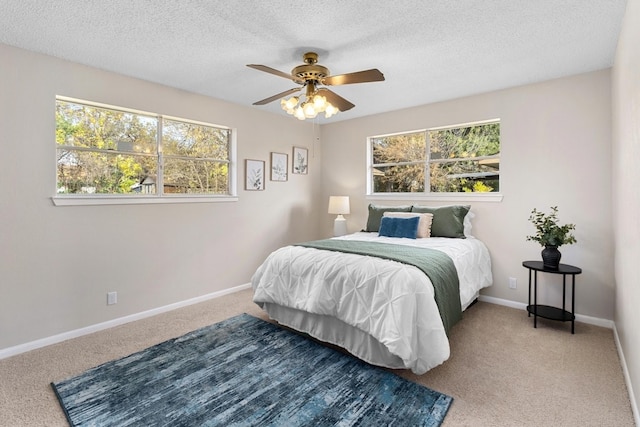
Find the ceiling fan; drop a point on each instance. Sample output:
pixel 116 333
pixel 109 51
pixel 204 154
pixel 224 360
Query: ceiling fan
pixel 318 99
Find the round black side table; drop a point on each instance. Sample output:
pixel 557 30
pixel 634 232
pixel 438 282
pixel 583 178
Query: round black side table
pixel 546 311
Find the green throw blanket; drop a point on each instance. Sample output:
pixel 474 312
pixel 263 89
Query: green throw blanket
pixel 437 265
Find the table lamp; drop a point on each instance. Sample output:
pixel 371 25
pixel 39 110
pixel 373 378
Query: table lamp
pixel 339 205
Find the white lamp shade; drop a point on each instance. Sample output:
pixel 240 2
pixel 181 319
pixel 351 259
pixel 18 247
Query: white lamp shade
pixel 339 205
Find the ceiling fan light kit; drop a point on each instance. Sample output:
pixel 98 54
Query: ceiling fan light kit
pixel 316 100
pixel 313 105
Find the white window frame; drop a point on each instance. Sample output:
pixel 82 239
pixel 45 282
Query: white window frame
pixel 160 197
pixel 426 195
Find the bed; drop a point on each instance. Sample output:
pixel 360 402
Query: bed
pixel 381 310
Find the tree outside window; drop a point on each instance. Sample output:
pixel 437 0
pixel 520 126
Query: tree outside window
pixel 446 160
pixel 110 151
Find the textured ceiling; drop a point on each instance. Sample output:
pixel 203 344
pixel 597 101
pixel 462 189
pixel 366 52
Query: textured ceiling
pixel 428 50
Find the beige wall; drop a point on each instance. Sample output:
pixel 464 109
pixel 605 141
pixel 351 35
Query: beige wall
pixel 58 263
pixel 555 150
pixel 626 195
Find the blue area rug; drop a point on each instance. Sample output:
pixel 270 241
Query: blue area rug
pixel 245 372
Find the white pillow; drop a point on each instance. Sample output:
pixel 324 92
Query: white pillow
pixel 424 226
pixel 467 223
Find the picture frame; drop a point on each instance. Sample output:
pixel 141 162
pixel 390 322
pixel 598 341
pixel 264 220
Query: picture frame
pixel 254 175
pixel 279 166
pixel 300 161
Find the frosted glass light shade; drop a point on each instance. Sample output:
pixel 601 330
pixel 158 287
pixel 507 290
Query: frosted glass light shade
pixel 310 108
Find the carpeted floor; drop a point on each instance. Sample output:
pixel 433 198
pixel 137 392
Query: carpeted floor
pixel 502 371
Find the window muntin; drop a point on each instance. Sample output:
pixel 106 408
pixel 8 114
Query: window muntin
pixel 461 159
pixel 108 151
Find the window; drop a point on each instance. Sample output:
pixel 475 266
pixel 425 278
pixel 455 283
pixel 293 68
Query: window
pixel 103 150
pixel 461 159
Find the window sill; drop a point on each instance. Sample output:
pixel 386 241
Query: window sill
pixel 438 197
pixel 137 200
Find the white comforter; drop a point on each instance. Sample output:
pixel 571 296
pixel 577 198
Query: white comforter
pixel 391 301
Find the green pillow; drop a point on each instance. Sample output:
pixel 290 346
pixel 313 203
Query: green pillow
pixel 376 212
pixel 448 221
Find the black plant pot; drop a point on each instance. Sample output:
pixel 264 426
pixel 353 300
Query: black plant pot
pixel 551 257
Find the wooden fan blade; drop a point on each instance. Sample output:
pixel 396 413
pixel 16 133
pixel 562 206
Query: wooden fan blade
pixel 275 72
pixel 373 75
pixel 339 102
pixel 278 96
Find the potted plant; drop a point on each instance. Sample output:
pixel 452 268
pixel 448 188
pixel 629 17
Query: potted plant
pixel 551 235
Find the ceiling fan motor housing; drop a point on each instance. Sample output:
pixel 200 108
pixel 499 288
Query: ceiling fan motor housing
pixel 310 72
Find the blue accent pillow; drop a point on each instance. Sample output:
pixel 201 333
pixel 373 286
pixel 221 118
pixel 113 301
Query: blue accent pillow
pixel 399 227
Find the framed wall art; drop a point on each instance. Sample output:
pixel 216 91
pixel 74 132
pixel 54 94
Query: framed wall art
pixel 300 161
pixel 279 166
pixel 254 175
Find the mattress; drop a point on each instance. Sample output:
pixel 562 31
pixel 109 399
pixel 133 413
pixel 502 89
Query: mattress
pixel 382 311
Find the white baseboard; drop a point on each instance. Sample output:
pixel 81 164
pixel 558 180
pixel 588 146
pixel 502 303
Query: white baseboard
pixel 22 348
pixel 627 377
pixel 605 323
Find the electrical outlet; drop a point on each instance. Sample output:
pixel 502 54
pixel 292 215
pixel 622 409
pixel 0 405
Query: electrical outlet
pixel 112 298
pixel 513 283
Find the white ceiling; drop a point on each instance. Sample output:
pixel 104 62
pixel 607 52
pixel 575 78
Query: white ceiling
pixel 428 50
